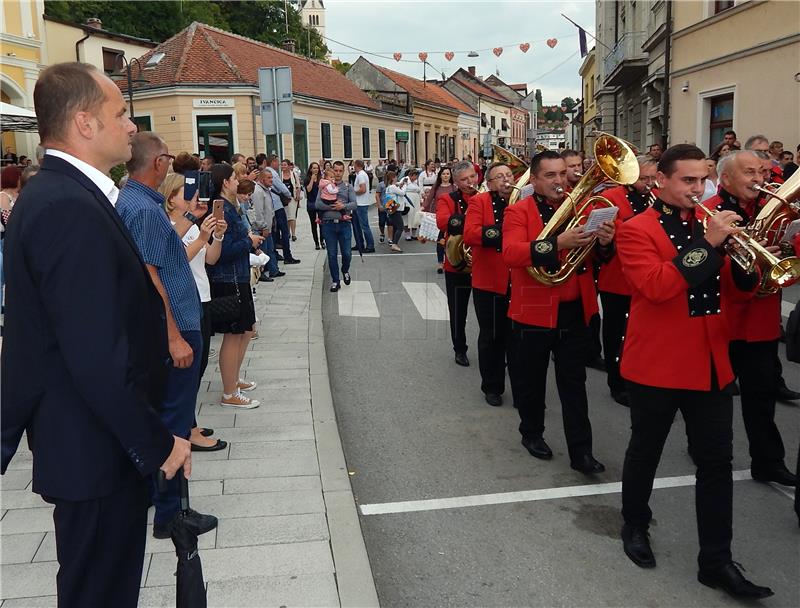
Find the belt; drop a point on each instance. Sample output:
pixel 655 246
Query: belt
pixel 331 221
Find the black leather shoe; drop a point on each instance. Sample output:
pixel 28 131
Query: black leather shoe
pixel 206 432
pixel 219 445
pixel 279 257
pixel 588 465
pixel 369 250
pixel 265 279
pixel 784 393
pixel 596 363
pixel 620 397
pixel 280 273
pixel 777 473
pixel 198 523
pixel 292 261
pixel 636 543
pixel 493 399
pixel 334 286
pixel 729 579
pixel 537 447
pixel 346 277
pixel 316 247
pixel 461 359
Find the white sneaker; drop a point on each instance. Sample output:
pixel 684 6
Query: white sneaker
pixel 238 400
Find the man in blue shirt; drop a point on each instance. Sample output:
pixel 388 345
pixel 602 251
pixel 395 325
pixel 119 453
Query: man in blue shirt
pixel 141 208
pixel 281 233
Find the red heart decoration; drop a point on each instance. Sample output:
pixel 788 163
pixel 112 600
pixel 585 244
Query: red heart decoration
pixel 449 55
pixel 552 42
pixel 397 56
pixel 498 50
pixel 524 47
pixel 423 56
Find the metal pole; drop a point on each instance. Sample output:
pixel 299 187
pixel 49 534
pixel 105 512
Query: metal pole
pixel 278 136
pixel 130 87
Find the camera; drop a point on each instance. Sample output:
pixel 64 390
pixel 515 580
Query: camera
pixel 685 87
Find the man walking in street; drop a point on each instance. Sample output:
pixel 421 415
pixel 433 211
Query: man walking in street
pixel 364 239
pixel 335 228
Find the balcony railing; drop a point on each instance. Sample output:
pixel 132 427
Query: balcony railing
pixel 629 47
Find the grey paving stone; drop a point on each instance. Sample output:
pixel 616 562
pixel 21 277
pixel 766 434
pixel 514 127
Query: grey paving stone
pixel 270 381
pixel 28 580
pixel 287 457
pixel 277 362
pixel 275 592
pixel 272 484
pixel 164 545
pixel 267 376
pixel 287 348
pixel 244 531
pixel 294 432
pixel 274 404
pixel 15 480
pixel 198 458
pixel 262 504
pixel 20 548
pixel 217 421
pixel 157 597
pixel 21 521
pixel 246 469
pixel 236 562
pixel 205 488
pixel 272 419
pixel 21 499
pixel 47 601
pixel 23 459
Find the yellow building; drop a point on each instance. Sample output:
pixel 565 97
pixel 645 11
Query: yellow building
pixel 23 54
pixel 735 65
pixel 590 118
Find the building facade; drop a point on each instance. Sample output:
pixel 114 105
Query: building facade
pixel 735 65
pixel 590 120
pixel 312 14
pixel 519 115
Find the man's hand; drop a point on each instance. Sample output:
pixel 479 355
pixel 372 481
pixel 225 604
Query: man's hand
pixel 338 206
pixel 605 233
pixel 721 226
pixel 256 240
pixel 181 352
pixel 573 238
pixel 180 456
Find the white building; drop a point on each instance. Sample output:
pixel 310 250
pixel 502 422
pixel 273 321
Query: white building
pixel 312 14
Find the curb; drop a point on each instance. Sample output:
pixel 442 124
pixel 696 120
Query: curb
pixel 353 572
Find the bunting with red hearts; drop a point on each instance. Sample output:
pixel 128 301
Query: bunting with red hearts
pixel 524 47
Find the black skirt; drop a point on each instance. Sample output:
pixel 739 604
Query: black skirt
pixel 247 311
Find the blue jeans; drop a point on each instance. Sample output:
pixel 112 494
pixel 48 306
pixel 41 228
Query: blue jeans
pixel 268 247
pixel 177 413
pixel 337 235
pixel 281 233
pixel 363 228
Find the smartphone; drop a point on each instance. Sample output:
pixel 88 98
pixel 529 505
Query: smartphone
pixel 218 211
pixel 204 186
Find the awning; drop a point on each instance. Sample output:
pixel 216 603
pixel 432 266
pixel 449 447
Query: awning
pixel 14 118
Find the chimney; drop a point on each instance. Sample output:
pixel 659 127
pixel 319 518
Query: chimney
pixel 471 70
pixel 288 45
pixel 95 23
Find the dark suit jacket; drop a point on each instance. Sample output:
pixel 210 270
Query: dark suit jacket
pixel 84 337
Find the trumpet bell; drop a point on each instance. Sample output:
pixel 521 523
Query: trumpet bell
pixel 458 254
pixel 784 273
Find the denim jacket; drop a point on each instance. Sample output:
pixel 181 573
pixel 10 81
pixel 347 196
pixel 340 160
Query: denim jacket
pixel 234 260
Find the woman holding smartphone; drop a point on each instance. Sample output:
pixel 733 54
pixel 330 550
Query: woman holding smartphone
pixel 231 276
pixel 311 185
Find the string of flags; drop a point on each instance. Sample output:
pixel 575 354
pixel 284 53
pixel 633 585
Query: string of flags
pixel 498 50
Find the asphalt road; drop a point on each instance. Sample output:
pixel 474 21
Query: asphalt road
pixel 415 427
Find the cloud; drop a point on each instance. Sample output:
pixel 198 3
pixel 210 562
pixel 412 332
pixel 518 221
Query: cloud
pixel 410 27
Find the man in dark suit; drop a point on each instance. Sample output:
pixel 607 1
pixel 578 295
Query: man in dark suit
pixel 85 339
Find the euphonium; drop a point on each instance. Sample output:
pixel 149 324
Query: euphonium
pixel 616 162
pixel 775 216
pixel 458 253
pixel 746 250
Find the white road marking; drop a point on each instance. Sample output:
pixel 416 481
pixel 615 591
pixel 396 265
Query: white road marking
pixel 430 300
pixel 481 500
pixel 357 300
pixel 395 255
pixel 787 308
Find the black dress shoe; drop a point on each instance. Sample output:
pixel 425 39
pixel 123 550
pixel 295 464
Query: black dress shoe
pixel 596 363
pixel 784 393
pixel 537 447
pixel 219 445
pixel 346 278
pixel 369 250
pixel 620 397
pixel 292 261
pixel 461 359
pixel 206 432
pixel 493 399
pixel 636 543
pixel 265 279
pixel 316 247
pixel 280 273
pixel 279 257
pixel 334 286
pixel 198 523
pixel 354 248
pixel 732 581
pixel 588 465
pixel 777 473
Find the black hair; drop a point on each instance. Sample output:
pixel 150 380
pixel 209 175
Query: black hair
pixel 260 158
pixel 666 163
pixel 220 173
pixel 543 155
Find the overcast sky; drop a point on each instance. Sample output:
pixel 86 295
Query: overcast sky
pixel 412 26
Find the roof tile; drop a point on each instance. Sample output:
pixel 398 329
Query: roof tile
pixel 429 92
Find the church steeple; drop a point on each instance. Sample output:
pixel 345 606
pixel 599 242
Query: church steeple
pixel 312 14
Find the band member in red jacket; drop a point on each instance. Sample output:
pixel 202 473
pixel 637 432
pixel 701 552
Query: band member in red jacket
pixel 675 357
pixel 615 293
pixel 546 319
pixel 483 232
pixel 755 332
pixel 450 212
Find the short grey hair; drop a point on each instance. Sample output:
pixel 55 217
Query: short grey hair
pixel 460 167
pixel 724 164
pixel 145 146
pixel 646 160
pixel 748 145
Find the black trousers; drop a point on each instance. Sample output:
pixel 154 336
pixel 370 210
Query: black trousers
pixel 709 424
pixel 458 286
pixel 528 359
pixel 595 350
pixel 100 548
pixel 492 312
pixel 754 364
pixel 615 316
pixel 312 217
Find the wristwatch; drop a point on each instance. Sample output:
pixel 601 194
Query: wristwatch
pixel 189 216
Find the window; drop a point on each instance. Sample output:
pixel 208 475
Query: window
pixel 365 142
pixel 272 145
pixel 142 123
pixel 722 5
pixel 721 118
pixel 483 119
pixel 504 124
pixel 381 143
pixel 347 136
pixel 326 140
pixel 112 60
pixel 491 119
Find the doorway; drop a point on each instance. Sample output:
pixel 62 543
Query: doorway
pixel 215 137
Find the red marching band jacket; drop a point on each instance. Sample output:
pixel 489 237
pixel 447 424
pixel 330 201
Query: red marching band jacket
pixel 446 208
pixel 611 278
pixel 484 235
pixel 533 303
pixel 670 341
pixel 757 319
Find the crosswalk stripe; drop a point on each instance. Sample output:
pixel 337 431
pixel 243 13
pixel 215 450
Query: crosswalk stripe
pixel 357 300
pixel 429 299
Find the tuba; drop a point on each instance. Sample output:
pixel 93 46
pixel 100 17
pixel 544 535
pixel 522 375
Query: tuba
pixel 458 253
pixel 616 162
pixel 775 216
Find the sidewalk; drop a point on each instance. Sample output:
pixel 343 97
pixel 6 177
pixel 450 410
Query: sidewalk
pixel 289 533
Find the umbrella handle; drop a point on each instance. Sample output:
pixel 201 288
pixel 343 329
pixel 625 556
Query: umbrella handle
pixel 184 483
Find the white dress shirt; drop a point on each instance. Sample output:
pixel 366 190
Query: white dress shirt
pixel 100 179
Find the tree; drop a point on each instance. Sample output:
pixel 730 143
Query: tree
pixel 568 103
pixel 341 66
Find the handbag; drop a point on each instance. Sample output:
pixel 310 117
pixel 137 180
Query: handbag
pixel 285 198
pixel 226 309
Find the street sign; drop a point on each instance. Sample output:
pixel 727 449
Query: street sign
pixel 275 88
pixel 401 136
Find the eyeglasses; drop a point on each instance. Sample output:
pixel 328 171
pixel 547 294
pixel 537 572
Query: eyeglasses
pixel 508 177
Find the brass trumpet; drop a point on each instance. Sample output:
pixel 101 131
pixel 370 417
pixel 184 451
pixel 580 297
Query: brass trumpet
pixel 749 253
pixel 774 217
